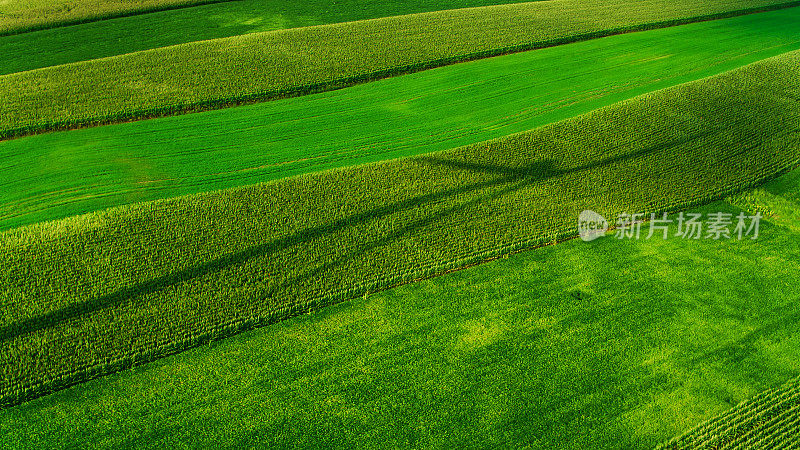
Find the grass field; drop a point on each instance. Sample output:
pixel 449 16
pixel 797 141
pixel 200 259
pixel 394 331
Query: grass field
pixel 70 173
pixel 665 334
pixel 769 420
pixel 354 224
pixel 260 66
pixel 91 294
pixel 19 16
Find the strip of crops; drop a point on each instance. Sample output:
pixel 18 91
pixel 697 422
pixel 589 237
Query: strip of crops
pixel 769 420
pixel 603 345
pixel 20 16
pixel 75 172
pixel 261 66
pixel 100 39
pixel 92 294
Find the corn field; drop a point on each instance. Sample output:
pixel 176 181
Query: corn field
pixel 92 294
pixel 260 66
pixel 22 16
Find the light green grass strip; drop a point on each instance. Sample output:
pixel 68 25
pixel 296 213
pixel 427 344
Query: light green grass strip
pixel 261 66
pixel 603 345
pixel 20 16
pixel 92 294
pixel 75 172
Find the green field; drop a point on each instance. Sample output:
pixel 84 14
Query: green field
pixel 355 223
pixel 261 66
pixel 219 20
pixel 664 335
pixel 769 420
pixel 82 171
pixel 91 294
pixel 20 16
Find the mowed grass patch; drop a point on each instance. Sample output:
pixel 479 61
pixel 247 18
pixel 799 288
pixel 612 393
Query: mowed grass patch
pixel 92 294
pixel 52 47
pixel 263 66
pixel 608 344
pixel 70 173
pixel 19 16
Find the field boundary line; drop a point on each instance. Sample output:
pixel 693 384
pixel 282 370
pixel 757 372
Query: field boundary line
pixel 13 397
pixel 179 107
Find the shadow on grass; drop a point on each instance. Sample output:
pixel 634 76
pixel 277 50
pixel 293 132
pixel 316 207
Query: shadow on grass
pixel 509 178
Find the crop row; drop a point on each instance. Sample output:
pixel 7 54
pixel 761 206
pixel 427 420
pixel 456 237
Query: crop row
pixel 179 25
pixel 769 420
pixel 404 116
pixel 216 73
pixel 19 16
pixel 92 294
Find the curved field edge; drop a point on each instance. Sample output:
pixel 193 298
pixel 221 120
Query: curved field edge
pixel 168 275
pixel 607 344
pixel 87 41
pixel 263 66
pixel 76 172
pixel 768 420
pixel 35 19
